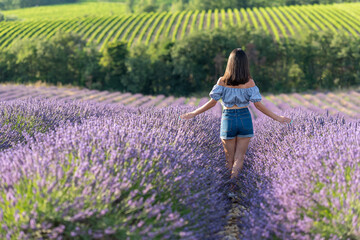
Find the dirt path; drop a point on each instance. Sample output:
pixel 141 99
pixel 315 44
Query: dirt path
pixel 231 230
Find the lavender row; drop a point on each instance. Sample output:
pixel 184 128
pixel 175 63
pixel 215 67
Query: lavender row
pixel 121 173
pixel 302 181
pixel 31 115
pixel 8 93
pixel 342 102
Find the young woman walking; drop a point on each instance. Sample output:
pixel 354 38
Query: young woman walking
pixel 236 88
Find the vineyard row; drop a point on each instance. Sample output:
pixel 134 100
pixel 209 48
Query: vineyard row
pixel 281 22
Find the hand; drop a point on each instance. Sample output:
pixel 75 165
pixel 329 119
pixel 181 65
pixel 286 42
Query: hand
pixel 283 119
pixel 187 116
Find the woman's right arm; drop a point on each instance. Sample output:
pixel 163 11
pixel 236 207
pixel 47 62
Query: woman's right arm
pixel 269 113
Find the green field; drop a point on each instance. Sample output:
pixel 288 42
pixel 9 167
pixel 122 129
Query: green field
pixel 106 22
pixel 66 11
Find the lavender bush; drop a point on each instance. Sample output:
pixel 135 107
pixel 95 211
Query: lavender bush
pixel 77 170
pixel 20 117
pixel 302 181
pixel 121 173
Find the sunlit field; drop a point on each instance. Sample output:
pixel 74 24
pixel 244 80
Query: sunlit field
pixel 108 22
pixel 92 145
pixel 102 169
pixel 344 103
pixel 67 11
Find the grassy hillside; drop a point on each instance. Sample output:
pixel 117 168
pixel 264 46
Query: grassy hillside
pixel 67 11
pixel 103 23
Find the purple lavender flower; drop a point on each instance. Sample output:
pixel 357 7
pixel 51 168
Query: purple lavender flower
pixel 114 168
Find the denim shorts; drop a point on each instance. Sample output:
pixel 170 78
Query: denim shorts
pixel 236 122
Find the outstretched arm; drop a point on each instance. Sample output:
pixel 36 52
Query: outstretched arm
pixel 211 103
pixel 269 113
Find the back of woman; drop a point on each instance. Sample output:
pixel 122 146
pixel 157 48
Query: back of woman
pixel 236 89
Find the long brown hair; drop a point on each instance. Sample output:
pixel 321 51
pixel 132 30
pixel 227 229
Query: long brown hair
pixel 237 69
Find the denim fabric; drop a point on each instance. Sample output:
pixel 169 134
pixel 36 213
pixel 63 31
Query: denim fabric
pixel 236 122
pixel 239 96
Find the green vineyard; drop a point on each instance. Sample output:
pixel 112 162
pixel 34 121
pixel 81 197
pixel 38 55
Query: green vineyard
pixel 103 23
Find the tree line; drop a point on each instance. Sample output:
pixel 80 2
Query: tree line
pixel 191 66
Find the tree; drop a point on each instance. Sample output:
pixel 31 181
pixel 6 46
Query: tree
pixel 113 62
pixel 63 59
pixel 130 4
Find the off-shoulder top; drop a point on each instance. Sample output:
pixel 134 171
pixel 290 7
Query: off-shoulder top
pixel 239 96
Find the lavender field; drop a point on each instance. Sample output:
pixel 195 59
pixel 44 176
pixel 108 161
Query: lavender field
pixel 343 103
pixel 118 166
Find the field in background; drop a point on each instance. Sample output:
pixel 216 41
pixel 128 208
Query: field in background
pixel 65 11
pixel 345 103
pixel 102 23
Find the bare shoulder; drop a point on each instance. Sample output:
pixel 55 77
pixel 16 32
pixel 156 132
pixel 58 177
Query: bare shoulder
pixel 220 82
pixel 250 83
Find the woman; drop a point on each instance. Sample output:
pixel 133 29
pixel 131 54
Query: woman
pixel 236 88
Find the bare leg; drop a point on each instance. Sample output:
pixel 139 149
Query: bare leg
pixel 241 147
pixel 229 148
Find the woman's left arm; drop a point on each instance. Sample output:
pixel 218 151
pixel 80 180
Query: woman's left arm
pixel 211 103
